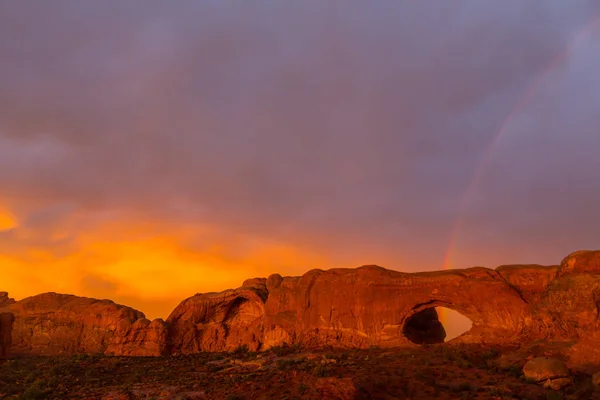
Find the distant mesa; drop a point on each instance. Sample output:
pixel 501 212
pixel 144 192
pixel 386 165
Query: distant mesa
pixel 351 308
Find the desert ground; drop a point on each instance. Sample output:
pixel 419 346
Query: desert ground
pixel 442 371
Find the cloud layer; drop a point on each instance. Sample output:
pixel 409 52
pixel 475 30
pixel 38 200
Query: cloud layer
pixel 150 150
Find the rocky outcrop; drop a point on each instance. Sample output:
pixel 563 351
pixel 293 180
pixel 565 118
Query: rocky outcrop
pixel 219 321
pixel 549 372
pixel 374 306
pixel 5 300
pixel 531 281
pixel 52 323
pixel 6 322
pixel 358 307
pixel 347 307
pixel 142 338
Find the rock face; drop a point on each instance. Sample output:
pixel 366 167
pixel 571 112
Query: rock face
pixel 6 322
pixel 550 372
pixel 53 323
pixel 359 307
pixel 374 306
pixel 347 307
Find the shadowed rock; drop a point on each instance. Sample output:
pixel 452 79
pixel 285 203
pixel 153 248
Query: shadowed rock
pixel 6 323
pixel 424 327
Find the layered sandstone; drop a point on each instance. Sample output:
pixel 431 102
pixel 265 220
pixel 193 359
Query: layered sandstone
pixel 346 307
pixel 52 323
pixel 374 306
pixel 358 307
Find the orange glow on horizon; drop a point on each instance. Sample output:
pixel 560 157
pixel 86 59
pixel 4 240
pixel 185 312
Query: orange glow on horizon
pixel 7 220
pixel 146 265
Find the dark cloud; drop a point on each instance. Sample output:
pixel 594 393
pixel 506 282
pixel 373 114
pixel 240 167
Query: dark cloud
pixel 342 128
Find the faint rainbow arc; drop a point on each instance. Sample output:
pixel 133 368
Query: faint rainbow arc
pixel 557 61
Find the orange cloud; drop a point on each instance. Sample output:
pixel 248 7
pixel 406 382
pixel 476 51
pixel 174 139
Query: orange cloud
pixel 148 265
pixel 7 219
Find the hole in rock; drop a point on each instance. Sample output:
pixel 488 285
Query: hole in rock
pixel 435 325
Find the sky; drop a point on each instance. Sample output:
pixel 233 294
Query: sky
pixel 151 150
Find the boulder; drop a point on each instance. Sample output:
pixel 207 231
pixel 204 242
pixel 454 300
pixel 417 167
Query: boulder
pixel 550 372
pixel 582 261
pixel 596 379
pixel 531 281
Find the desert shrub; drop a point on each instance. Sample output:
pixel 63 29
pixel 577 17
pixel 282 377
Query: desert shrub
pixel 302 388
pixel 35 391
pixel 513 370
pixel 553 395
pixel 321 371
pixel 490 354
pixel 286 364
pixel 32 377
pixel 241 350
pixel 284 350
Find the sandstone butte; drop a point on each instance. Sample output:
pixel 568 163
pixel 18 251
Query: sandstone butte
pixel 370 305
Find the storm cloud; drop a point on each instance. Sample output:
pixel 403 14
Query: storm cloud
pixel 296 135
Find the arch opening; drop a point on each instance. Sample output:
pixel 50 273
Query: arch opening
pixel 435 325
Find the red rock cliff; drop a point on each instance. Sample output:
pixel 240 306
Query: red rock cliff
pixel 52 323
pixel 342 307
pixel 6 322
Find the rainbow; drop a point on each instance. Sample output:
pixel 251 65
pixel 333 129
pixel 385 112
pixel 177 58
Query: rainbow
pixel 523 101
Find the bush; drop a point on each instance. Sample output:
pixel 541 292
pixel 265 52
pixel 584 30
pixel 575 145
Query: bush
pixel 34 391
pixel 321 371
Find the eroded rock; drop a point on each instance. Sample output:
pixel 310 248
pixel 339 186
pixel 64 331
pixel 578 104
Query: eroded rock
pixel 549 372
pixel 6 324
pixel 51 323
pixel 341 307
pixel 5 300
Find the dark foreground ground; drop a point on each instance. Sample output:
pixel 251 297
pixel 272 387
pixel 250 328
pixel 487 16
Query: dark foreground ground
pixel 433 372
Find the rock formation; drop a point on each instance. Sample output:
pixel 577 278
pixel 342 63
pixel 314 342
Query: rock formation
pixel 549 372
pixel 6 322
pixel 341 307
pixel 53 323
pixel 347 307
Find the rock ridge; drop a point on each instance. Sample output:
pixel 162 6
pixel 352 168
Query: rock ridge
pixel 343 307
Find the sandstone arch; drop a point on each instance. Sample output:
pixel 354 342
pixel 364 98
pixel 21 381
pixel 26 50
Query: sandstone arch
pixel 340 307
